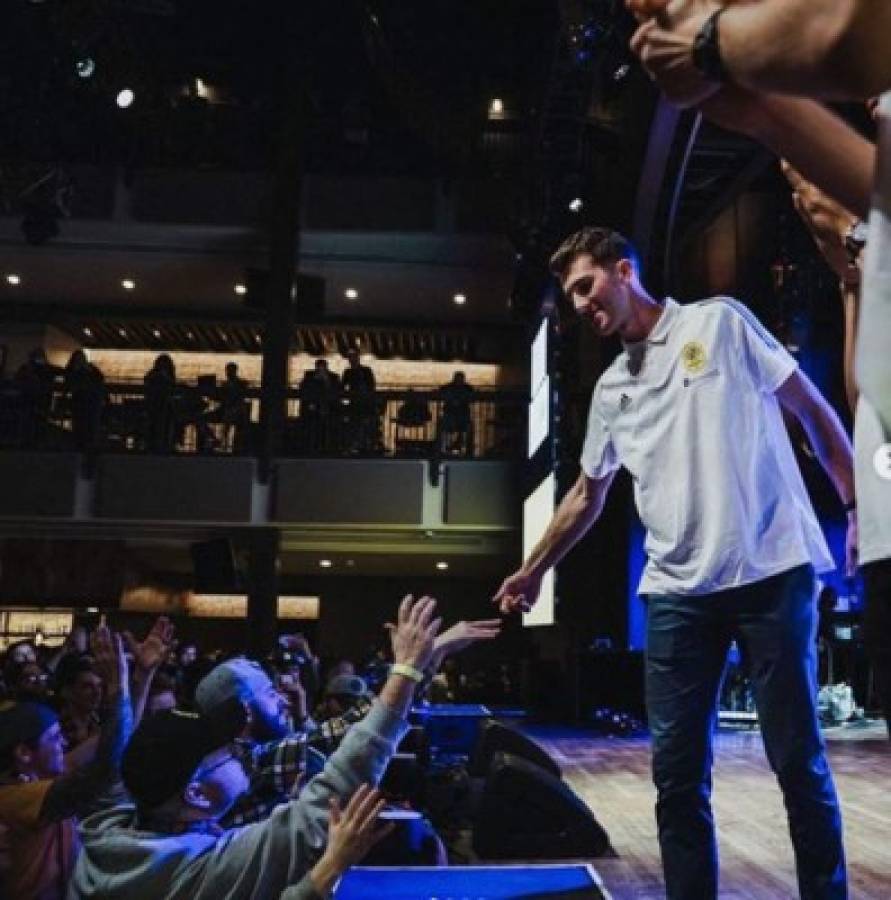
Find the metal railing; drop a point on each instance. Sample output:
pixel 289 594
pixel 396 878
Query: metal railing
pixel 194 420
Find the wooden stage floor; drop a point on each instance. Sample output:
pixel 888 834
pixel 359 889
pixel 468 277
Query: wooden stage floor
pixel 613 776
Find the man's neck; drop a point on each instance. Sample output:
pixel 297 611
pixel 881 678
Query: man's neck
pixel 645 313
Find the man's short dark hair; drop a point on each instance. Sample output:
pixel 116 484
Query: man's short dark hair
pixel 603 245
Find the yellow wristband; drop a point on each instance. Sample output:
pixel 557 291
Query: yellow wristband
pixel 411 672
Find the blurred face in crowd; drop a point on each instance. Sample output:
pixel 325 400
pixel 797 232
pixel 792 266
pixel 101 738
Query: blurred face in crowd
pixel 46 758
pixel 269 714
pixel 188 654
pixel 23 653
pixel 85 694
pixel 32 681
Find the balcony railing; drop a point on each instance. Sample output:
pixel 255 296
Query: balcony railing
pixel 195 419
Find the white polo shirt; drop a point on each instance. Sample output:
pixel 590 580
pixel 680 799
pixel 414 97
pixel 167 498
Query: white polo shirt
pixel 691 413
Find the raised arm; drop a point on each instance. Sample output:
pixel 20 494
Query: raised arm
pixel 75 792
pixel 816 48
pixel 576 513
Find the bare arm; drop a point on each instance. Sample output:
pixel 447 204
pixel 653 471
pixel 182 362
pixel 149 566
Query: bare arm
pixel 576 513
pixel 827 436
pixel 830 444
pixel 816 48
pixel 823 48
pixel 822 147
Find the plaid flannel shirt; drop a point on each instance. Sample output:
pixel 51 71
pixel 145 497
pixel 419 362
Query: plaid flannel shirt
pixel 275 768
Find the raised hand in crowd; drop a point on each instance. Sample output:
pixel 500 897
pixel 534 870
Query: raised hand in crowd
pixel 352 832
pixel 461 635
pixel 150 653
pixel 110 663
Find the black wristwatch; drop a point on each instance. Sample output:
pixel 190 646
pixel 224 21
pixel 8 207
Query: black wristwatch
pixel 707 50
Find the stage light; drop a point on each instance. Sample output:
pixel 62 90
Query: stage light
pixel 576 205
pixel 125 98
pixel 128 284
pixel 88 333
pixel 157 334
pixel 460 299
pixel 122 332
pixel 325 563
pixel 85 67
pixel 442 566
pixel 13 279
pixel 351 294
pixel 496 108
pixel 241 289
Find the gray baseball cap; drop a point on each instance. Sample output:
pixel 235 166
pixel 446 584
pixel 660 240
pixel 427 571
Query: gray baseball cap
pixel 239 679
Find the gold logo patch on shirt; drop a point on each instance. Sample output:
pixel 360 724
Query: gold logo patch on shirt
pixel 693 357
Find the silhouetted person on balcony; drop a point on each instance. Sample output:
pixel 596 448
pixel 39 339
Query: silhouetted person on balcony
pixel 87 395
pixel 35 380
pixel 455 434
pixel 234 410
pixel 160 389
pixel 319 392
pixel 359 388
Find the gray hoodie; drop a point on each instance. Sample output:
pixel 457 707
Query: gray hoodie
pixel 120 862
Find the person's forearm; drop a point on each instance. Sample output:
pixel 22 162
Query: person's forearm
pixel 832 448
pixel 822 147
pixel 822 48
pixel 398 693
pixel 142 683
pixel 851 303
pixel 74 792
pixel 574 516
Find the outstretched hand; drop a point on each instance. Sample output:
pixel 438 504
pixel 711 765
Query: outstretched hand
pixel 110 661
pixel 413 635
pixel 352 832
pixel 461 635
pixel 149 654
pixel 518 593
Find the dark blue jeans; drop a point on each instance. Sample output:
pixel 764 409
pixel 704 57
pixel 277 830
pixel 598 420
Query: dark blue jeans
pixel 773 622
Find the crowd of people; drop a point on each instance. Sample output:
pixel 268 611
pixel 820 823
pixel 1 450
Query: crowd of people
pixel 47 406
pixel 142 769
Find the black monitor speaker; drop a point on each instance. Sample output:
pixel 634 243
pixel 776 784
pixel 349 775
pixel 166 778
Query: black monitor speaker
pixel 525 813
pixel 497 738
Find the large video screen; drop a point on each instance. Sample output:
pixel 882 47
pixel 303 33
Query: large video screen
pixel 537 512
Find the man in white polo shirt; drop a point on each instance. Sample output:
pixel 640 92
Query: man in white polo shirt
pixel 692 409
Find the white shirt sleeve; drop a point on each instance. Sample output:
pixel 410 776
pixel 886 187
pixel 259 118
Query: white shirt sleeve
pixel 768 361
pixel 598 453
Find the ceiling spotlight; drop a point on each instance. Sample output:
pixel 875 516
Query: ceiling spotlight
pixel 200 88
pixel 88 333
pixel 128 284
pixel 496 107
pixel 442 566
pixel 460 299
pixel 190 336
pixel 13 279
pixel 325 563
pixel 351 294
pixel 122 332
pixel 85 67
pixel 157 334
pixel 125 98
pixel 241 289
pixel 576 205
